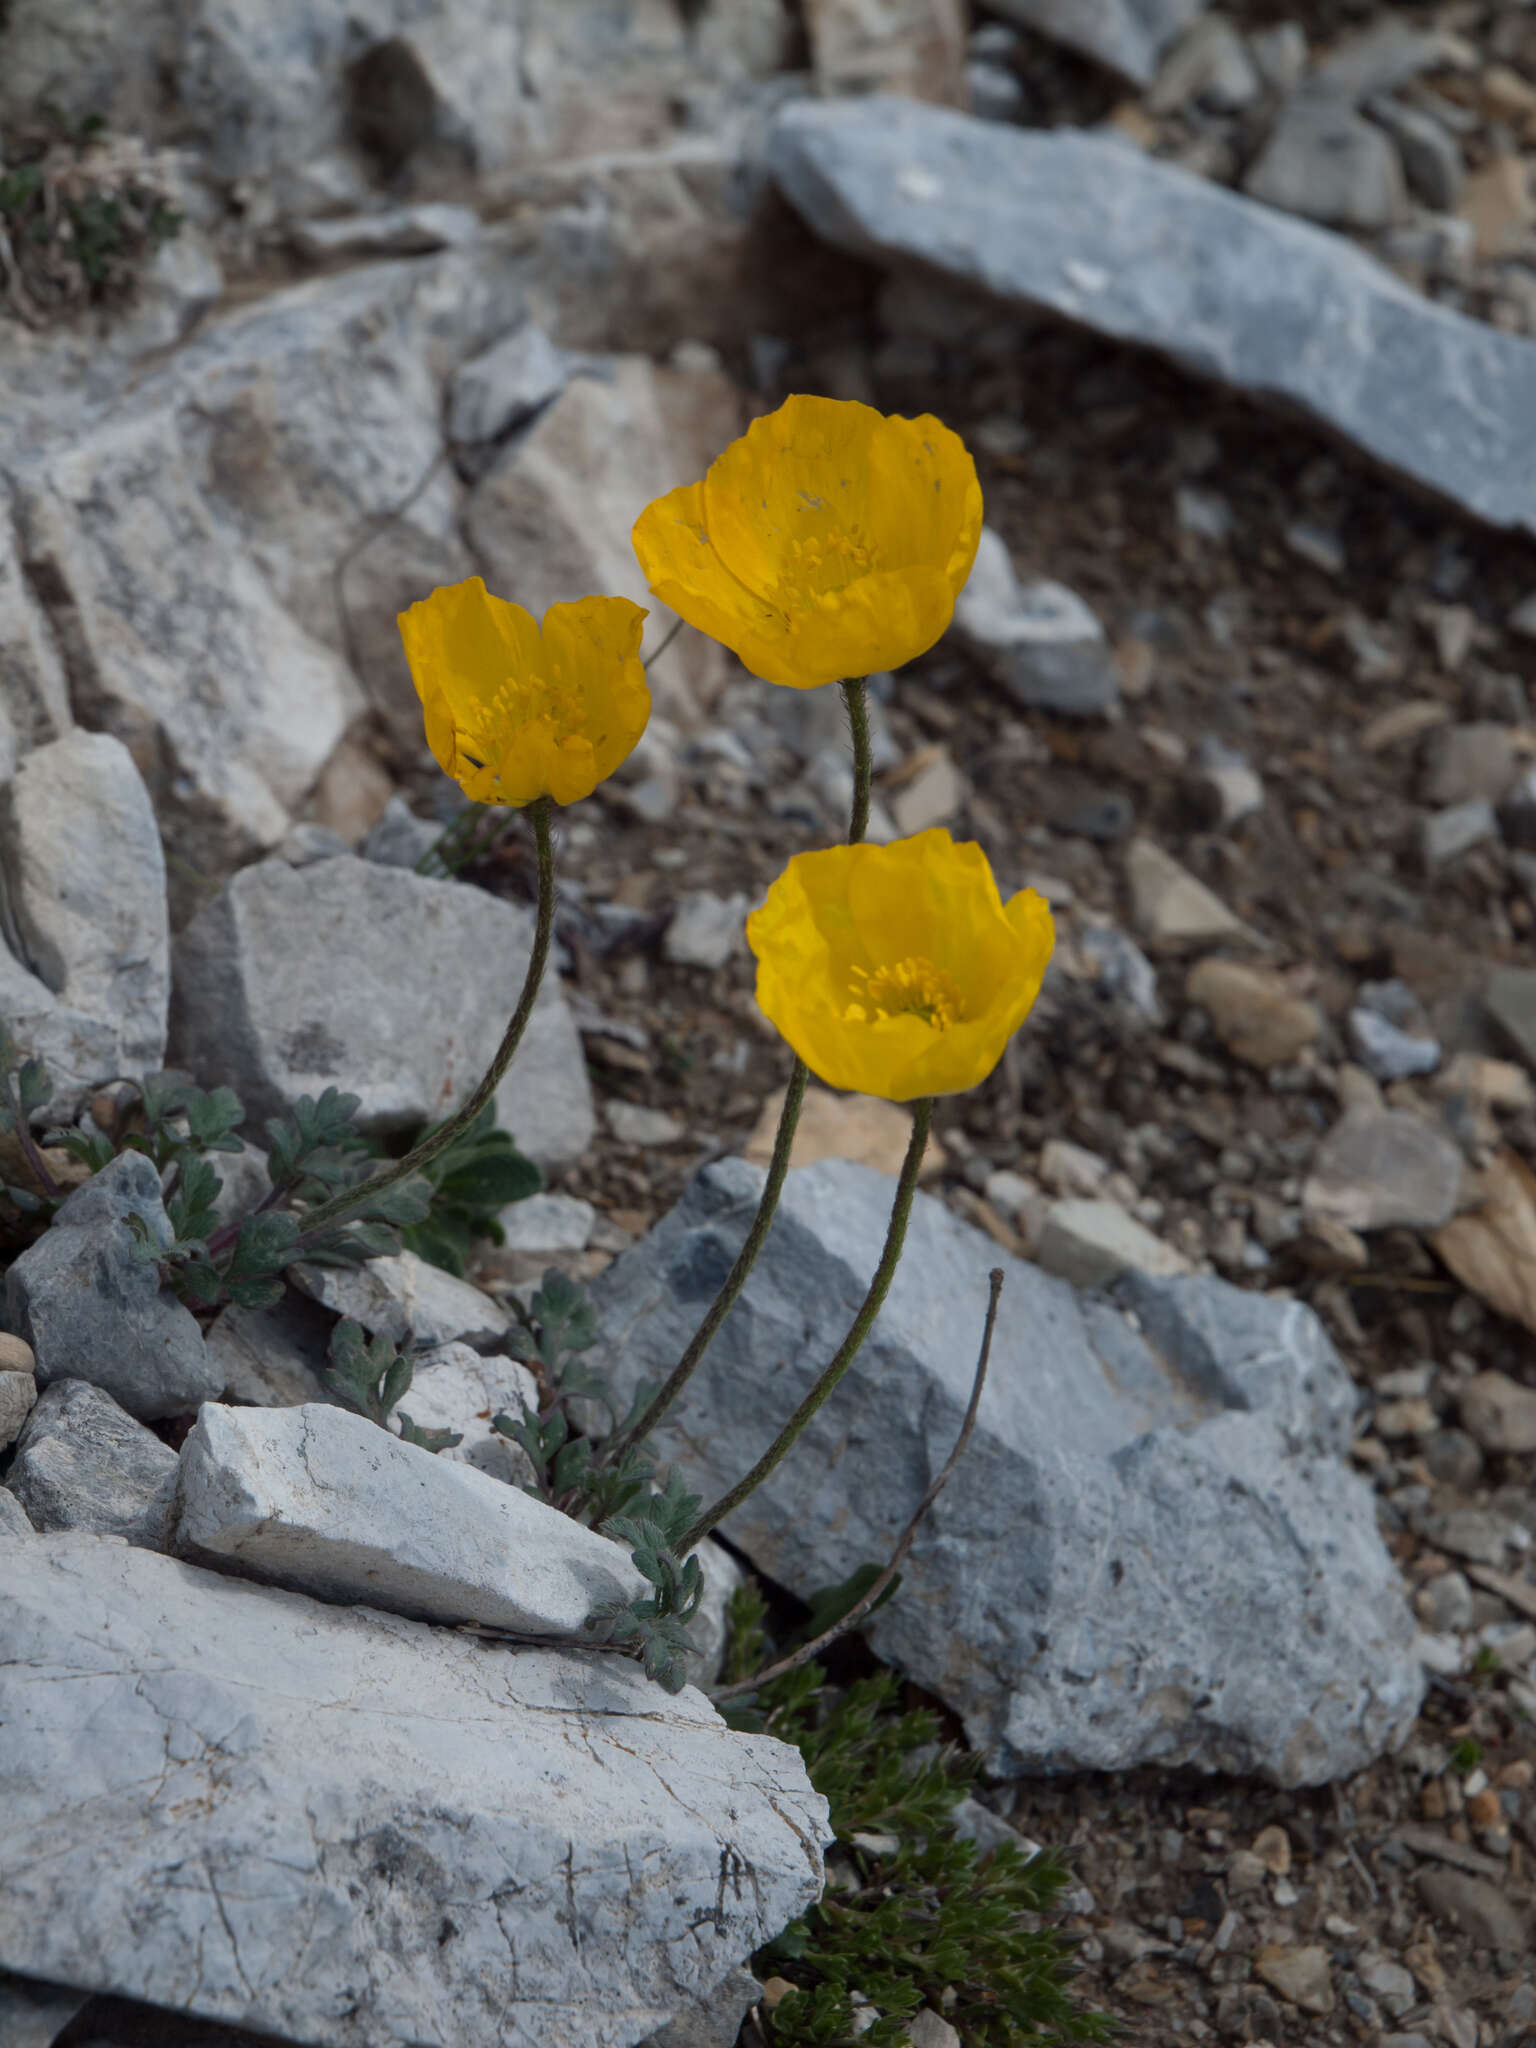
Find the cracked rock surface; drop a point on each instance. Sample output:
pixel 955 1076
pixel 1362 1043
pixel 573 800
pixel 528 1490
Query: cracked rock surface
pixel 1156 1552
pixel 356 1831
pixel 326 1501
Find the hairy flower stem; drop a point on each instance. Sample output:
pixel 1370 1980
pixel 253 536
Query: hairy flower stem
pixel 354 1198
pixel 784 1138
pixel 856 697
pixel 848 1350
pixel 735 1280
pixel 871 1597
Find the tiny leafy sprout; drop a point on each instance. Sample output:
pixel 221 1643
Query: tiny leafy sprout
pixel 657 1627
pixel 371 1376
pixel 471 1182
pixel 1466 1756
pixel 918 1916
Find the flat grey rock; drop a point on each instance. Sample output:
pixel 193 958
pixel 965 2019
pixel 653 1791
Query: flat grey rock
pixel 1126 36
pixel 272 1357
pixel 407 1299
pixel 501 387
pixel 1040 640
pixel 400 838
pixel 18 1397
pixel 1324 161
pixel 358 1831
pixel 14 1520
pixel 85 890
pixel 82 1463
pixel 1093 230
pixel 293 980
pixel 1380 1168
pixel 1155 1551
pixel 325 1502
pixel 92 1307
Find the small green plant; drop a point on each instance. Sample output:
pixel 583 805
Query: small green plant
pixel 913 1915
pixel 372 1377
pixel 1467 1755
pixel 80 215
pixel 620 1496
pixel 315 1153
pixel 471 1182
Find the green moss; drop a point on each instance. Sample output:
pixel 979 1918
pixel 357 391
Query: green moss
pixel 913 1915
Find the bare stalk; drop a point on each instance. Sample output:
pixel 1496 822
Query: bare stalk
pixel 858 1330
pixel 877 1587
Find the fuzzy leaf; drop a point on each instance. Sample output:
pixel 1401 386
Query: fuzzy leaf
pixel 265 1244
pixel 427 1439
pixel 34 1087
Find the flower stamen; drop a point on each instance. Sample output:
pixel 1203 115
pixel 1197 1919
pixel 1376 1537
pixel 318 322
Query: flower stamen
pixel 913 987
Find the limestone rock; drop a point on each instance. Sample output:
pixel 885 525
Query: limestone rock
pixel 326 1502
pixel 457 1388
pixel 406 1299
pixel 398 231
pixel 1381 1167
pixel 1136 1472
pixel 706 929
pixel 1478 1908
pixel 1256 1014
pixel 914 46
pixel 290 981
pixel 14 1521
pixel 85 886
pixel 1126 36
pixel 18 1397
pixel 1087 228
pixel 499 388
pixel 92 1307
pixel 1041 641
pixel 34 691
pixel 1324 161
pixel 492 1843
pixel 551 521
pixel 1092 1243
pixel 1175 912
pixel 82 1463
pixel 1499 1412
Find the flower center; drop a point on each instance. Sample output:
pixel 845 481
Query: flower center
pixel 913 987
pixel 828 561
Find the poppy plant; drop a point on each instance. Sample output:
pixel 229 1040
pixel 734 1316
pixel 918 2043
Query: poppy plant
pixel 828 542
pixel 516 711
pixel 898 970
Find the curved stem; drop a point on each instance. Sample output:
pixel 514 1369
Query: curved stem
pixel 872 1596
pixel 667 638
pixel 353 1198
pixel 858 1330
pixel 736 1279
pixel 856 697
pixel 784 1137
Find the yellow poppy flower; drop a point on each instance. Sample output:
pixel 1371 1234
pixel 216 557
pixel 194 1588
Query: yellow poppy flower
pixel 830 541
pixel 516 711
pixel 898 970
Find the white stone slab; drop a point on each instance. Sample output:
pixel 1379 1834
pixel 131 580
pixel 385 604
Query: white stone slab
pixel 325 1501
pixel 356 1831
